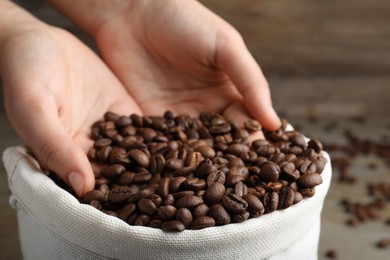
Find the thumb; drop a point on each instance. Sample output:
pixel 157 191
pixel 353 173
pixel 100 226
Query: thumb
pixel 234 58
pixel 53 146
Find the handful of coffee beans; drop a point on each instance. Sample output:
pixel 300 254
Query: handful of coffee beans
pixel 179 172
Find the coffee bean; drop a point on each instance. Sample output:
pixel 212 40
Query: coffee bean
pixel 269 172
pixel 252 125
pixel 170 200
pixel 147 206
pixel 298 140
pixel 120 194
pixel 214 193
pixel 173 226
pixel 240 217
pixel 307 192
pixel 126 178
pixel 316 145
pixel 157 200
pixel 331 254
pixel 174 164
pixel 194 159
pixel 180 194
pixel 237 149
pixel 188 201
pixel 142 177
pixel 383 243
pixel 142 220
pixel 101 143
pixel 206 151
pixel 216 177
pixel 255 206
pixel 157 164
pixel 163 187
pixel 110 116
pixel 184 216
pixel 175 183
pixel 194 184
pixel 286 198
pixel 219 214
pixel 234 203
pixel 320 163
pixel 155 223
pixel 271 201
pixel 147 133
pixel 119 156
pixel 309 180
pixel 240 189
pixel 200 210
pixel 103 154
pixel 140 157
pixel 94 195
pixel 166 212
pixel 288 172
pixel 112 171
pixel 125 212
pixel 203 222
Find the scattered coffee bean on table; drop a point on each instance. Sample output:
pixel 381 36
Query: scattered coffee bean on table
pixel 180 172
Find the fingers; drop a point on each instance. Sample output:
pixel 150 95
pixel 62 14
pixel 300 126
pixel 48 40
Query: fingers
pixel 234 58
pixel 39 126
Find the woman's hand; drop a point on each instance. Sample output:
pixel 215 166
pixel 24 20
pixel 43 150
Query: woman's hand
pixel 55 88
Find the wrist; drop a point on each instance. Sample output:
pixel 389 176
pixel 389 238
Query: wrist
pixel 14 21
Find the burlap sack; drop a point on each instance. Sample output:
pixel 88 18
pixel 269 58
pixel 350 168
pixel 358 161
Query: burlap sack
pixel 54 225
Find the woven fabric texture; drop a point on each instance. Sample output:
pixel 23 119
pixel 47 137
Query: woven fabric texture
pixel 54 225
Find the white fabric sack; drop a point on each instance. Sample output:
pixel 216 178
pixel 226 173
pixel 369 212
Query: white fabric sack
pixel 54 225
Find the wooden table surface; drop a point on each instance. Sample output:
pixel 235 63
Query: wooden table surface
pixel 328 60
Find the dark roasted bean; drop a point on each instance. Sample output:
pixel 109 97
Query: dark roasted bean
pixel 255 206
pixel 120 194
pixel 216 177
pixel 214 193
pixel 309 180
pixel 166 212
pixel 252 125
pixel 269 172
pixel 234 203
pixel 203 222
pixel 200 210
pixel 219 214
pixel 240 217
pixel 140 157
pixel 240 189
pixel 173 226
pixel 125 212
pixel 163 187
pixel 286 198
pixel 142 220
pixel 188 201
pixel 194 184
pixel 147 206
pixel 271 201
pixel 184 216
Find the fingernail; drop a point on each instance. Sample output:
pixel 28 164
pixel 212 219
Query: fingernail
pixel 76 180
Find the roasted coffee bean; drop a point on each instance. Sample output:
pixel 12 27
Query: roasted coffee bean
pixel 331 254
pixel 288 172
pixel 170 200
pixel 120 194
pixel 255 206
pixel 166 212
pixel 94 195
pixel 286 198
pixel 194 159
pixel 234 203
pixel 252 125
pixel 119 156
pixel 126 178
pixel 147 133
pixel 125 212
pixel 271 201
pixel 298 140
pixel 200 210
pixel 184 215
pixel 273 186
pixel 307 192
pixel 110 116
pixel 142 220
pixel 265 150
pixel 101 143
pixel 103 154
pixel 206 151
pixel 139 157
pixel 214 193
pixel 123 121
pixel 240 189
pixel 219 214
pixel 240 217
pixel 173 226
pixel 194 184
pixel 320 163
pixel 142 177
pixel 216 177
pixel 163 187
pixel 138 195
pixel 175 164
pixel 237 149
pixel 175 183
pixel 112 171
pixel 200 193
pixel 131 220
pixel 316 145
pixel 383 243
pixel 155 223
pixel 188 201
pixel 203 222
pixel 297 197
pixel 147 206
pixel 157 200
pixel 309 180
pixel 178 195
pixel 157 164
pixel 269 172
pixel 91 154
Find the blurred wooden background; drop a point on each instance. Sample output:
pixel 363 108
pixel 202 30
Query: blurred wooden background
pixel 322 58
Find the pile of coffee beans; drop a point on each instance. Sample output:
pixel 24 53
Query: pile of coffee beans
pixel 180 172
